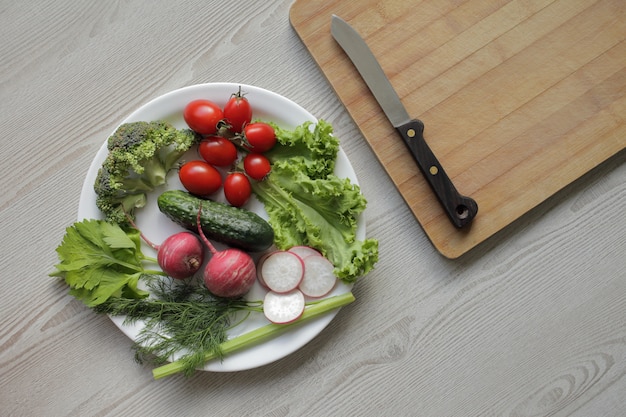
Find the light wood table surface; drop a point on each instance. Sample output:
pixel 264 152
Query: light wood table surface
pixel 530 323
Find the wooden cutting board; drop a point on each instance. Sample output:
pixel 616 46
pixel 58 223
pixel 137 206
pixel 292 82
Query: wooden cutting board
pixel 519 98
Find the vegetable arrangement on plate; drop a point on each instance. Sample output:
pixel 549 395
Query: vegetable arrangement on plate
pixel 195 294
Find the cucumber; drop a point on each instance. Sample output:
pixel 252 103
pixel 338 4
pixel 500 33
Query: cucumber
pixel 233 226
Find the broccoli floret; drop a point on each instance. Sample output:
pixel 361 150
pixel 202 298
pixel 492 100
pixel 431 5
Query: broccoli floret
pixel 115 198
pixel 140 156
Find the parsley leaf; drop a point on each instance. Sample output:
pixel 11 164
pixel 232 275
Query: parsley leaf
pixel 100 260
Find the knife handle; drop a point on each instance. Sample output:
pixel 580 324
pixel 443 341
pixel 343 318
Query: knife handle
pixel 460 209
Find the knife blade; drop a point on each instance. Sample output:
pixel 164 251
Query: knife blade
pixel 460 209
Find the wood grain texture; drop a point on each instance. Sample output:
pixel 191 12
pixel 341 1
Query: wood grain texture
pixel 529 323
pixel 519 98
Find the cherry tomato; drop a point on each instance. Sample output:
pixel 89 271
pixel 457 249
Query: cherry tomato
pixel 237 189
pixel 260 136
pixel 237 112
pixel 202 116
pixel 218 151
pixel 256 166
pixel 200 178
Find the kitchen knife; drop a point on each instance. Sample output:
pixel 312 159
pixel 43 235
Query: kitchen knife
pixel 460 209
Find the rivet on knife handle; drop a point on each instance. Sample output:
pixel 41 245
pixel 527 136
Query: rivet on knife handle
pixel 460 209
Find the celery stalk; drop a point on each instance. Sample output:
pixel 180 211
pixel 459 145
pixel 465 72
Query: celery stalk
pixel 263 333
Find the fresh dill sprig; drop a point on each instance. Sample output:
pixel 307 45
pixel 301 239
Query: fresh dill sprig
pixel 180 317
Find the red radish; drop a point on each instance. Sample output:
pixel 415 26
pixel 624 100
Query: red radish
pixel 319 278
pixel 282 271
pixel 229 273
pixel 179 256
pixel 283 308
pixel 304 251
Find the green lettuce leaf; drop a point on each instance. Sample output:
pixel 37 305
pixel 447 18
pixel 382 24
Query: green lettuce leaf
pixel 308 205
pixel 311 146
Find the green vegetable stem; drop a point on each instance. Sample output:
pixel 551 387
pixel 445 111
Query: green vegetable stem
pixel 260 334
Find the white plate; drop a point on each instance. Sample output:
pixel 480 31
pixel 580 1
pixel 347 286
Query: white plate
pixel 267 106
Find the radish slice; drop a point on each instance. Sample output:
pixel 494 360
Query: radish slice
pixel 319 278
pixel 304 251
pixel 259 269
pixel 283 308
pixel 282 271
